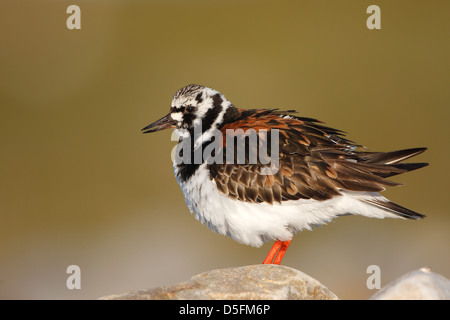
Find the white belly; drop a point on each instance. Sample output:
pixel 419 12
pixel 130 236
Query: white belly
pixel 255 223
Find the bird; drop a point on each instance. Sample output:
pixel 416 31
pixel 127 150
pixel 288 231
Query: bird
pixel 319 174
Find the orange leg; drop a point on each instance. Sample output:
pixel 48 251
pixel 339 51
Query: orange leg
pixel 272 252
pixel 280 255
pixel 273 256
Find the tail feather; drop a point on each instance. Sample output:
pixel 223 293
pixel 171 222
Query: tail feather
pixel 405 167
pixel 386 171
pixel 388 164
pixel 392 157
pixel 383 207
pixel 374 167
pixel 395 208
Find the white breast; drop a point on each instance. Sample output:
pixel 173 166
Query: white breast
pixel 255 223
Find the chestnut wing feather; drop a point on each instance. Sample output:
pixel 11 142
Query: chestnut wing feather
pixel 315 162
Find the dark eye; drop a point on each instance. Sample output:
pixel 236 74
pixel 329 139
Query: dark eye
pixel 190 109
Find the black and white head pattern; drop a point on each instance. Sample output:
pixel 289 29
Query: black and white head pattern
pixel 196 106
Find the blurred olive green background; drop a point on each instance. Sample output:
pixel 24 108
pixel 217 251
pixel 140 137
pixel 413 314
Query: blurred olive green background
pixel 81 185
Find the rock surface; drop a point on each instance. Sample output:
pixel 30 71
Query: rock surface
pixel 420 284
pixel 262 282
pixel 274 282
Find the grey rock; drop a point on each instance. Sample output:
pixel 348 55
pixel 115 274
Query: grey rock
pixel 422 284
pixel 265 282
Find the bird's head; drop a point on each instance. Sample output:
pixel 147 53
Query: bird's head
pixel 192 106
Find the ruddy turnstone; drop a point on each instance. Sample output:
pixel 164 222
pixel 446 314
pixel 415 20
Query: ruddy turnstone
pixel 312 175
